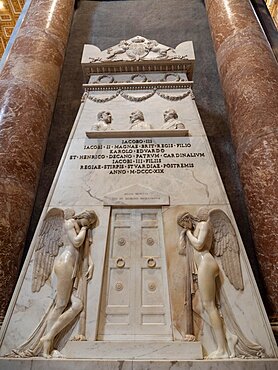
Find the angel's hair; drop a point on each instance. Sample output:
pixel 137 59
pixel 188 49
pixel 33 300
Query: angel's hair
pixel 185 215
pixel 89 215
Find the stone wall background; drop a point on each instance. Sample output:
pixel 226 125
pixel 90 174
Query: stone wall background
pixel 105 23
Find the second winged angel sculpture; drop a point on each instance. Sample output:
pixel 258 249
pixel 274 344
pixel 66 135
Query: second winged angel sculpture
pixel 211 236
pixel 72 267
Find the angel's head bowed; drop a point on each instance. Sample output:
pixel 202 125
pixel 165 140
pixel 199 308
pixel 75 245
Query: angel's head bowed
pixel 188 221
pixel 87 218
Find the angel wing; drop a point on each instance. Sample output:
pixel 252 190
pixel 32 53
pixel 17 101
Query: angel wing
pixel 48 243
pixel 225 246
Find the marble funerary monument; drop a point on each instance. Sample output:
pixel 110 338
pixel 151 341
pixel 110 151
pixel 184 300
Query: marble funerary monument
pixel 137 254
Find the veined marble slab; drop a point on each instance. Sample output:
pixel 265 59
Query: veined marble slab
pixel 84 364
pixel 175 350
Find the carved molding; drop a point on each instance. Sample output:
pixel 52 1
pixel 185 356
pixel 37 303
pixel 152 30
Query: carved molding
pixel 139 55
pixel 134 98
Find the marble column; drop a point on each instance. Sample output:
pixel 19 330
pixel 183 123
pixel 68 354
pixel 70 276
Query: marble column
pixel 28 87
pixel 249 76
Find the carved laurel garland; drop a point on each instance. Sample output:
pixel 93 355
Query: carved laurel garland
pixel 96 99
pixel 137 98
pixel 134 98
pixel 174 97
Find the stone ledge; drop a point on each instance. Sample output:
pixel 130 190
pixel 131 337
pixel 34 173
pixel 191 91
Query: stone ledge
pixel 81 364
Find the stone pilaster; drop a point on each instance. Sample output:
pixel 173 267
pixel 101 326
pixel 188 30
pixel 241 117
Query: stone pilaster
pixel 28 88
pixel 249 77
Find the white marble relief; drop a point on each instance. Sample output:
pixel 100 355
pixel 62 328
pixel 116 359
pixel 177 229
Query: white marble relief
pixel 137 121
pixel 104 122
pixel 137 187
pixel 171 121
pixel 211 234
pixel 73 268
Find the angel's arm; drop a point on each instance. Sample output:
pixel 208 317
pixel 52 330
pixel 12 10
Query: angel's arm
pixel 76 239
pixel 199 242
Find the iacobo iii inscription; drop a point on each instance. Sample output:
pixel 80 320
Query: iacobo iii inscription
pixel 138 156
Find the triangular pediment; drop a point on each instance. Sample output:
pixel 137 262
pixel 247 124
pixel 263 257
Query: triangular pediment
pixel 136 195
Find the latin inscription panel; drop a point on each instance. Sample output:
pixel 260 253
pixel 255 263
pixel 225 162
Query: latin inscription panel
pixel 180 166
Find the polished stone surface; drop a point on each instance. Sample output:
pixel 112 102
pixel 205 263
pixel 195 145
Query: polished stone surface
pixel 42 364
pixel 28 88
pixel 249 76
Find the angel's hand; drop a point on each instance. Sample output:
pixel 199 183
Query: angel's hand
pixel 90 271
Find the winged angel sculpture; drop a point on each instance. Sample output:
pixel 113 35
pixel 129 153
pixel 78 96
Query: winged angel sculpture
pixel 73 267
pixel 212 237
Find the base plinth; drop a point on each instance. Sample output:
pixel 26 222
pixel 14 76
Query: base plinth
pixel 132 350
pixel 82 364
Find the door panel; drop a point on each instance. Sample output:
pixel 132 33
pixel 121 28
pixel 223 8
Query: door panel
pixel 135 303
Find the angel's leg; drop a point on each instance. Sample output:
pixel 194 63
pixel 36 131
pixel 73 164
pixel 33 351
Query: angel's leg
pixel 66 317
pixel 207 272
pixel 63 293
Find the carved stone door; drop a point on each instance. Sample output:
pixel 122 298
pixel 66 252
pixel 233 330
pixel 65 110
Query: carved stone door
pixel 135 300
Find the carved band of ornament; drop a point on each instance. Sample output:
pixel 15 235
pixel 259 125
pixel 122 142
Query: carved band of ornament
pixel 137 68
pixel 133 98
pixel 139 85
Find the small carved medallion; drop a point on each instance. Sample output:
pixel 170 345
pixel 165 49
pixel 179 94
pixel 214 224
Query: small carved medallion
pixel 105 79
pixel 119 286
pixel 121 241
pixel 152 286
pixel 171 77
pixel 138 78
pixel 150 241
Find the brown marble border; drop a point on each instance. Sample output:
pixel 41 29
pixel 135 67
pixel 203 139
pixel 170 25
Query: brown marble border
pixel 249 77
pixel 28 87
